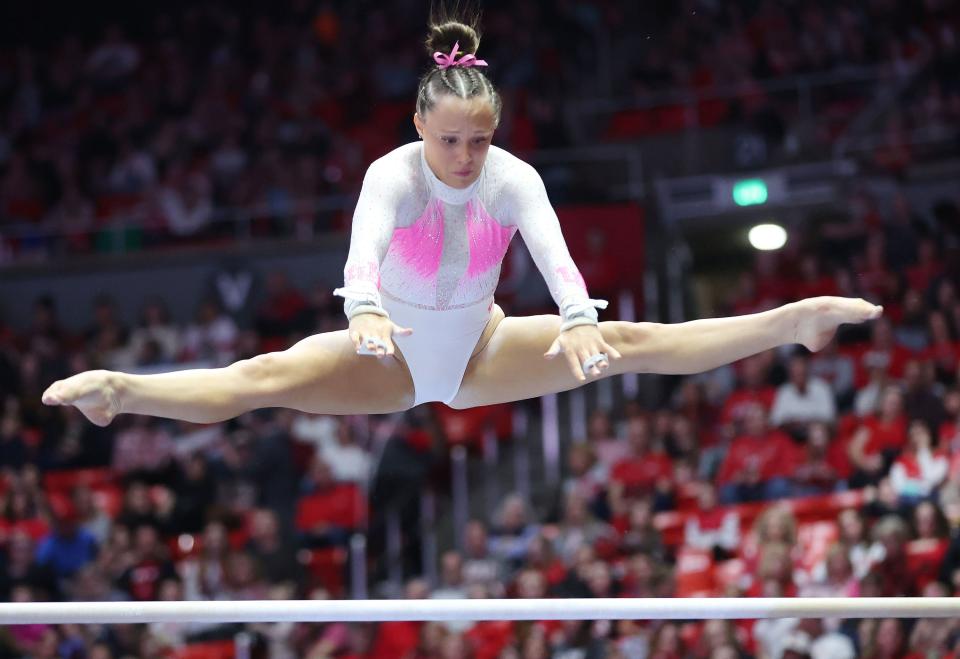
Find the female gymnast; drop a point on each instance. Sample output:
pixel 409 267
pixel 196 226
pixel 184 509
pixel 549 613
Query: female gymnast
pixel 430 230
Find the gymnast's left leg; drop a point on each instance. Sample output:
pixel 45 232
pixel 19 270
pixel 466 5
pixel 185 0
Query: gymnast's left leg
pixel 511 365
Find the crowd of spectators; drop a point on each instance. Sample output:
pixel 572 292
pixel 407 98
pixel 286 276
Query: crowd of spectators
pixel 180 118
pixel 187 122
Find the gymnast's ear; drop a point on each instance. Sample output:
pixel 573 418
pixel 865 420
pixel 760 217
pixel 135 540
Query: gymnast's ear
pixel 418 124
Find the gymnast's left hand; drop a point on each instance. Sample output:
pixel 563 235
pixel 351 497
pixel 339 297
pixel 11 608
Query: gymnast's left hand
pixel 580 343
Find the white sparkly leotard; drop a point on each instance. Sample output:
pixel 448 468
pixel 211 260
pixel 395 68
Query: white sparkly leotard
pixel 430 254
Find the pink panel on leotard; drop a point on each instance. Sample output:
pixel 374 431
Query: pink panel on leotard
pixel 420 246
pixel 368 272
pixel 571 275
pixel 488 239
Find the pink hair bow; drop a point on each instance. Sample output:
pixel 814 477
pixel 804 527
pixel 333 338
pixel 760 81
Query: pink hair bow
pixel 446 61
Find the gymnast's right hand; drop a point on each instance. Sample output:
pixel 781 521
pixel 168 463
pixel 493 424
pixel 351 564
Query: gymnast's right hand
pixel 372 334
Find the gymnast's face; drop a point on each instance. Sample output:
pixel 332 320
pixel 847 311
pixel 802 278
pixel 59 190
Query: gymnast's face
pixel 456 137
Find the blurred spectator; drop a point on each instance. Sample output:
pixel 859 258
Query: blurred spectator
pixel 195 494
pixel 242 579
pixel 107 338
pixel 587 477
pixel 150 565
pixel 156 341
pixel 479 566
pixel 919 399
pixel 280 313
pixel 893 570
pixel 203 573
pixel 758 462
pixel 185 202
pixel 878 440
pixel 275 555
pixel 577 528
pixel 138 507
pixel 349 461
pixel 820 469
pixel 918 469
pixel 20 568
pixel 638 532
pixel 608 448
pixel 512 531
pixel 68 547
pixel 837 578
pixel 451 584
pixel 89 515
pixel 943 352
pixel 211 338
pixel 803 398
pixel 837 370
pixel 867 399
pixel 882 352
pixel 14 450
pixel 643 471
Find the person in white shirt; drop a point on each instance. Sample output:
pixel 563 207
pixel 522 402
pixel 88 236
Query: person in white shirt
pixel 802 399
pixel 919 469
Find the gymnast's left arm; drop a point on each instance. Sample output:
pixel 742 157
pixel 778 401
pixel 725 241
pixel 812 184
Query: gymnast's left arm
pixel 579 340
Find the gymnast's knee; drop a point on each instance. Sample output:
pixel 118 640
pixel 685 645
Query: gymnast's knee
pixel 257 375
pixel 636 342
pixel 629 336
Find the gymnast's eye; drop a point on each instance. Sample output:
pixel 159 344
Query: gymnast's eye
pixel 449 140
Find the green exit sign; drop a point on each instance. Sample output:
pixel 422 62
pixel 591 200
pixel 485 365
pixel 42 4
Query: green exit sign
pixel 749 192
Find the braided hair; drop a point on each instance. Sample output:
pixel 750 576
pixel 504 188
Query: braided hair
pixel 461 82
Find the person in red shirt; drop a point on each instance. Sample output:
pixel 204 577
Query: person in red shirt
pixel 878 440
pixel 759 462
pixel 928 268
pixel 813 282
pixel 882 350
pixel 942 351
pixel 819 470
pixel 949 432
pixel 753 389
pixel 644 471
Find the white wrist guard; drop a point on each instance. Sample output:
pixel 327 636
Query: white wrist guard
pixel 580 312
pixel 358 301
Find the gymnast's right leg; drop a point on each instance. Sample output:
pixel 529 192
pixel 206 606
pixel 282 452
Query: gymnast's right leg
pixel 321 374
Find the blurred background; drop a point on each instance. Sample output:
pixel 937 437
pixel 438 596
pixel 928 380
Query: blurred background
pixel 176 187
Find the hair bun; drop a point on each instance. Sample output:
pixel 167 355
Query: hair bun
pixel 443 36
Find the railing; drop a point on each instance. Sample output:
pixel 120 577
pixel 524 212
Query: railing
pixel 38 241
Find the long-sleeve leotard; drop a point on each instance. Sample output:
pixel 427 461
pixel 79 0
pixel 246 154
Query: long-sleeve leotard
pixel 420 242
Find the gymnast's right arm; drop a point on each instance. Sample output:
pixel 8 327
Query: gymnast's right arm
pixel 371 329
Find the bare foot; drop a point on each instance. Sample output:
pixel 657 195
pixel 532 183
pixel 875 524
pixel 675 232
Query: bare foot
pixel 93 392
pixel 819 317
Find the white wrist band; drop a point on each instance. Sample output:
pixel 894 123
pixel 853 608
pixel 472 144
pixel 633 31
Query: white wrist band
pixel 580 312
pixel 358 301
